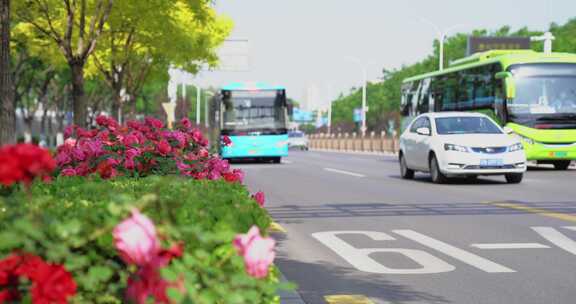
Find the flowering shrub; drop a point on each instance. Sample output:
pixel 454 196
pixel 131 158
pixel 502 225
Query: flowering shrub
pixel 140 149
pixel 23 163
pixel 184 229
pixel 50 283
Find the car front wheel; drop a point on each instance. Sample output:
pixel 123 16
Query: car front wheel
pixel 405 172
pixel 514 178
pixel 437 176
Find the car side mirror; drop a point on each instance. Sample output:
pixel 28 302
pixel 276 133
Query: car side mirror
pixel 423 131
pixel 508 130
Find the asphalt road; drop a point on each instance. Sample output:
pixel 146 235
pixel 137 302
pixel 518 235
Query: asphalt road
pixel 355 228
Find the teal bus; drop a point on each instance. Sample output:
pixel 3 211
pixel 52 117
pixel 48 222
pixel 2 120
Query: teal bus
pixel 255 118
pixel 531 94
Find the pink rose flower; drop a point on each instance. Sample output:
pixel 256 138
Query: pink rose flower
pixel 226 141
pixel 257 251
pixel 164 147
pixel 68 172
pixel 259 198
pixel 135 239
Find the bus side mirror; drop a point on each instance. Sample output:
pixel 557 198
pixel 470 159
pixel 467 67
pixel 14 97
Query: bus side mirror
pixel 509 83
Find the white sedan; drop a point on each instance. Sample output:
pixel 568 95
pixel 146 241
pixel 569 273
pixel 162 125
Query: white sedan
pixel 452 144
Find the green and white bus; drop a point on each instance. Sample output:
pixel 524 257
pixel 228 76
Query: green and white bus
pixel 532 94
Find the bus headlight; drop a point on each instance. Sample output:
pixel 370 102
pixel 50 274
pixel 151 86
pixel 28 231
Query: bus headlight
pixel 524 138
pixel 515 147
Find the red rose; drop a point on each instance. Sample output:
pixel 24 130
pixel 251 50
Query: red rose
pixel 53 284
pixel 164 147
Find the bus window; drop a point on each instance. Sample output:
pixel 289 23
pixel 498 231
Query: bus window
pixel 406 98
pixel 466 90
pixel 414 96
pixel 449 86
pixel 424 100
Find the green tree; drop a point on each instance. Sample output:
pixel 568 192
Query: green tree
pixel 7 116
pixel 144 38
pixel 74 28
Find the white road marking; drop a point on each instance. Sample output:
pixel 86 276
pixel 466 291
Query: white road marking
pixel 557 238
pixel 510 246
pixel 457 253
pixel 344 172
pixel 360 257
pixel 287 162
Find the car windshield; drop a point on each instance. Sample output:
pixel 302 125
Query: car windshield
pixel 295 134
pixel 466 125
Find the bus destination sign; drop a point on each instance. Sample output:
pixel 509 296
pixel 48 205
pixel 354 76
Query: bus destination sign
pixel 482 44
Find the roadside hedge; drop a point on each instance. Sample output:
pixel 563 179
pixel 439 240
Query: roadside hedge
pixel 70 221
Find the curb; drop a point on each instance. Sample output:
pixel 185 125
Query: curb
pixel 289 296
pixel 355 152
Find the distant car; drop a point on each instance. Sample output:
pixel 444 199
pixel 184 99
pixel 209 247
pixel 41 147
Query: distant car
pixel 454 144
pixel 297 140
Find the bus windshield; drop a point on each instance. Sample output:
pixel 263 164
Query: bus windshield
pixel 254 111
pixel 544 92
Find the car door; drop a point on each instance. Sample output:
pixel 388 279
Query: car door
pixel 422 145
pixel 410 141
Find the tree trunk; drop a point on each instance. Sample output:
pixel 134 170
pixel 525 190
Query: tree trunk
pixel 78 98
pixel 7 114
pixel 116 103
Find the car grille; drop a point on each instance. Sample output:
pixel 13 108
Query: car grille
pixel 490 150
pixel 476 167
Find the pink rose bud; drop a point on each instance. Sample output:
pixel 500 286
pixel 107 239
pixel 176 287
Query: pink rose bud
pixel 258 252
pixel 135 239
pixel 259 198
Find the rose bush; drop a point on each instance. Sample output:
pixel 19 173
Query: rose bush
pixel 140 149
pixel 185 227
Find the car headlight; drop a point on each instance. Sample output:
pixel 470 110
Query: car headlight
pixel 515 147
pixel 451 147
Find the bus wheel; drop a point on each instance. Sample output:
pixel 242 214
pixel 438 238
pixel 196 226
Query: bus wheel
pixel 561 164
pixel 276 160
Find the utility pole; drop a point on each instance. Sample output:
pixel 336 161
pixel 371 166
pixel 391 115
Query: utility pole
pixel 548 38
pixel 441 37
pixel 364 83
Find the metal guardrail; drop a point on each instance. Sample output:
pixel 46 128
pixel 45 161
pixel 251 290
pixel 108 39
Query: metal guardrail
pixel 352 142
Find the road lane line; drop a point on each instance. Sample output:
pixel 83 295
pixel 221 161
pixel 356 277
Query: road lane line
pixel 457 253
pixel 344 172
pixel 543 212
pixel 347 299
pixel 510 246
pixel 557 238
pixel 287 162
pixel 275 227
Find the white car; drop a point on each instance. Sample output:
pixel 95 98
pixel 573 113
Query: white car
pixel 453 144
pixel 297 140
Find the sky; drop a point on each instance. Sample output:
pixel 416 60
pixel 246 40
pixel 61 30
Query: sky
pixel 323 44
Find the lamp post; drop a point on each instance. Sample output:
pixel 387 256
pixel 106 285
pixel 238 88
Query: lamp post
pixel 548 37
pixel 364 80
pixel 441 37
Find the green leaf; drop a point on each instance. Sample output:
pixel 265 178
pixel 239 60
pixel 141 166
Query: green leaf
pixel 100 273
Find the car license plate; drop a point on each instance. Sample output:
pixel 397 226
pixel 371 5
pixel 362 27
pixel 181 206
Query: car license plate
pixel 491 162
pixel 560 154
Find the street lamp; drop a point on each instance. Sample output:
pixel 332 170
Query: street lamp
pixel 441 37
pixel 364 80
